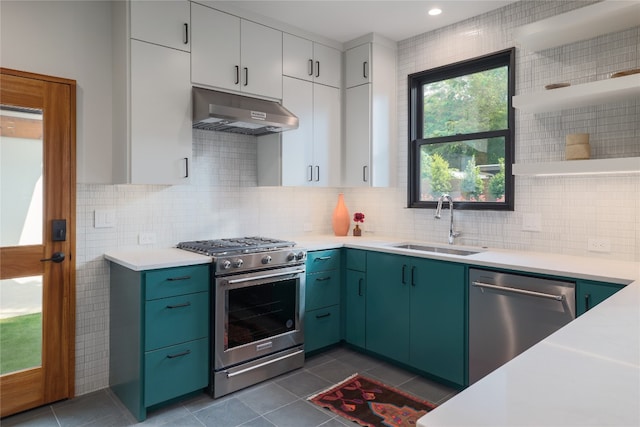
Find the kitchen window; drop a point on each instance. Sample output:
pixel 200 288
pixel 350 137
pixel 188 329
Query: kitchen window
pixel 461 127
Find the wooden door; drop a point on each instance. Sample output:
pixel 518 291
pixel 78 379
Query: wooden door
pixel 37 253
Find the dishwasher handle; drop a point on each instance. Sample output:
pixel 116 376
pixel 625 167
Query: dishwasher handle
pixel 518 291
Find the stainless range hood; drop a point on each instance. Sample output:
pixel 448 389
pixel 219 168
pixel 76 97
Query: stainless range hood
pixel 226 112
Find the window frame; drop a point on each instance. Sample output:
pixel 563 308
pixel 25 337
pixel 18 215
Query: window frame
pixel 416 122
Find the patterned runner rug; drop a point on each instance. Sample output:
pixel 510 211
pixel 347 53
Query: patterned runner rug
pixel 371 403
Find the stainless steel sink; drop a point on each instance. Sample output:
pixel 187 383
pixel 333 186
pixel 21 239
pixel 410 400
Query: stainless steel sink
pixel 436 249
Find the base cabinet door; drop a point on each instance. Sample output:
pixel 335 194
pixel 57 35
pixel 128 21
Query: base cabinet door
pixel 387 299
pixel 589 294
pixel 322 328
pixel 355 308
pixel 322 299
pixel 438 319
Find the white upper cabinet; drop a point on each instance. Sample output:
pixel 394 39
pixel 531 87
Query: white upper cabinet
pixel 232 53
pixel 161 137
pixel 166 23
pixel 358 65
pixel 309 155
pixel 370 118
pixel 307 60
pixel 151 96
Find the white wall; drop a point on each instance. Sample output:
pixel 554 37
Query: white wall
pixel 69 39
pixel 224 200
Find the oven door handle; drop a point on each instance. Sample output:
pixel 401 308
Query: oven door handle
pixel 264 276
pixel 244 371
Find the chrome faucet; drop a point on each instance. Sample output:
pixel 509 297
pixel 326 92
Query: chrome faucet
pixel 452 234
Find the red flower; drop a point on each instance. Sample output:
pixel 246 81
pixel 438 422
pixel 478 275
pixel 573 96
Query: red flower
pixel 358 217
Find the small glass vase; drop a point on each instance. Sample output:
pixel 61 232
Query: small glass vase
pixel 357 231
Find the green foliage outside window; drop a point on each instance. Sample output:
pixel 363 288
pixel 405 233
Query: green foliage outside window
pixel 472 184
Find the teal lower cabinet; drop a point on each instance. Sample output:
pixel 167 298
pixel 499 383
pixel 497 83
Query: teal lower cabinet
pixel 355 290
pixel 159 334
pixel 322 299
pixel 388 301
pixel 322 328
pixel 416 313
pixel 438 319
pixel 589 294
pixel 355 308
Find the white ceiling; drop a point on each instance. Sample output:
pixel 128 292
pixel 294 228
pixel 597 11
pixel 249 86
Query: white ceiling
pixel 346 20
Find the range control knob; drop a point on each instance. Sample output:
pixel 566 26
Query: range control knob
pixel 291 256
pixel 226 264
pixel 300 255
pixel 238 263
pixel 266 259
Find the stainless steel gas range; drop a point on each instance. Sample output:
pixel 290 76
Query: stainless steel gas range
pixel 257 322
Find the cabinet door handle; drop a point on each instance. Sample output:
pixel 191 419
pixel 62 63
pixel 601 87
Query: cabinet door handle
pixel 587 302
pixel 186 167
pixel 237 74
pixel 246 76
pixel 317 173
pixel 404 267
pixel 173 356
pixel 186 304
pixel 323 279
pixel 365 72
pixel 360 287
pixel 186 33
pixel 413 270
pixel 311 67
pixel 320 316
pixel 322 258
pixel 317 68
pixel 175 279
pixel 364 173
pixel 310 174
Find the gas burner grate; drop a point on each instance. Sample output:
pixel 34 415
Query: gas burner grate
pixel 228 246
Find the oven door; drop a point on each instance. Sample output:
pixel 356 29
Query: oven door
pixel 257 314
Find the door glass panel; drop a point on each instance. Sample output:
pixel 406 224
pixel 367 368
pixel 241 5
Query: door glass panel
pixel 21 159
pixel 20 324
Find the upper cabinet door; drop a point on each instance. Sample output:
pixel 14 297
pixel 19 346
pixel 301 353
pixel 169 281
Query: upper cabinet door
pixel 215 48
pixel 297 57
pixel 261 50
pixel 358 65
pixel 327 65
pixel 297 144
pixel 160 115
pixel 311 61
pixel 326 136
pixel 165 23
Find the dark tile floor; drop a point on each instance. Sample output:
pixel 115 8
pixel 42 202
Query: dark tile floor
pixel 279 402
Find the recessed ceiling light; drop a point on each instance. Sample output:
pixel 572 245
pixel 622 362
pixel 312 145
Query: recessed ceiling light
pixel 435 11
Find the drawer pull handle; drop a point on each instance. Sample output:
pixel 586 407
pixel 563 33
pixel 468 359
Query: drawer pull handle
pixel 175 279
pixel 323 279
pixel 360 287
pixel 322 258
pixel 320 316
pixel 173 356
pixel 186 304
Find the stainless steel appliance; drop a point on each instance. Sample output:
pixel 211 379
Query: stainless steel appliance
pixel 257 323
pixel 509 313
pixel 228 112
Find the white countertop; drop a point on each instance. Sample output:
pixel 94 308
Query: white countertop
pixel 585 374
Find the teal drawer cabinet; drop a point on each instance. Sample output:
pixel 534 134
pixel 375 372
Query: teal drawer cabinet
pixel 415 313
pixel 159 334
pixel 589 294
pixel 355 297
pixel 322 299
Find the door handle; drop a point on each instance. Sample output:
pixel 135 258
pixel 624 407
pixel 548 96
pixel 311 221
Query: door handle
pixel 57 257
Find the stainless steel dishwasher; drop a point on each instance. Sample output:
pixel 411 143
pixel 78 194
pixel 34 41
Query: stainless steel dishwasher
pixel 509 313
